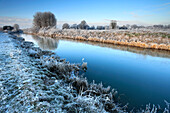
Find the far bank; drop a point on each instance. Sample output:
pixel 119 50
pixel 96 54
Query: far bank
pixel 136 38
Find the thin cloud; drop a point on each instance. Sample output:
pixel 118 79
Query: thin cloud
pixel 22 22
pixel 150 9
pixel 25 22
pixel 161 7
pixel 135 15
pixel 165 4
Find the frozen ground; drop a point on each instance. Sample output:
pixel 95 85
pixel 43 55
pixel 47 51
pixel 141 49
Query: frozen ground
pixel 32 80
pixel 21 83
pixel 27 86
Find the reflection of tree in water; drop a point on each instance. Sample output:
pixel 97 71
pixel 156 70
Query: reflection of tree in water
pixel 46 43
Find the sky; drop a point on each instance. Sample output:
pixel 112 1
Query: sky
pixel 95 12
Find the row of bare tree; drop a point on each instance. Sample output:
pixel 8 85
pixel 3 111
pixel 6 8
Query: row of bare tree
pixel 84 25
pixel 47 19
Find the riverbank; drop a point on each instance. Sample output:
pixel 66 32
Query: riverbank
pixel 37 81
pixel 33 80
pixel 134 38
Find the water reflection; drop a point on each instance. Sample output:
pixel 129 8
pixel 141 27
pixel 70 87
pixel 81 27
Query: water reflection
pixel 46 43
pixel 152 52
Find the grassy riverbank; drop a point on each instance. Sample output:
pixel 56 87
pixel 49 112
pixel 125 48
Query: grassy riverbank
pixel 39 81
pixel 135 38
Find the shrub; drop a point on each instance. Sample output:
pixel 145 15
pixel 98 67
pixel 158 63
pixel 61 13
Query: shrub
pixel 66 26
pixel 74 26
pixel 100 27
pixel 8 28
pixel 16 27
pixel 83 25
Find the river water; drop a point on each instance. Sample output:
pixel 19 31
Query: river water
pixel 141 76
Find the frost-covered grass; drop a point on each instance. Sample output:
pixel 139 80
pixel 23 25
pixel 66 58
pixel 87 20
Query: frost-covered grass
pixel 144 38
pixel 33 80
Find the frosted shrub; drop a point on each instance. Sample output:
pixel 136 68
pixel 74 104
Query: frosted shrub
pixel 83 25
pixel 16 27
pixel 113 24
pixel 51 31
pixel 34 29
pixel 44 19
pixel 65 26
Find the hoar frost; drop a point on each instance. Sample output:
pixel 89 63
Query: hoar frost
pixel 33 80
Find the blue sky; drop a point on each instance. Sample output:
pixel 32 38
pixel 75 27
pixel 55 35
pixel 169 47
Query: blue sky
pixel 93 11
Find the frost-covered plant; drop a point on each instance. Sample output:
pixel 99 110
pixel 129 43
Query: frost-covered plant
pixel 154 109
pixel 16 27
pixel 84 65
pixel 54 85
pixel 34 29
pixel 113 24
pixel 65 26
pixel 44 19
pixel 83 25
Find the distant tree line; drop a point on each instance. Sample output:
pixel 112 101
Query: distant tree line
pixel 47 19
pixel 162 26
pixel 84 25
pixel 150 27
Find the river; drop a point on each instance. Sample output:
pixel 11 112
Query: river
pixel 141 76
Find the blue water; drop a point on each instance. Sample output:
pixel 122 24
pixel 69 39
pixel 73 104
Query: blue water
pixel 140 77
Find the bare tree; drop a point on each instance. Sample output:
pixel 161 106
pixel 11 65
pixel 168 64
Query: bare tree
pixel 65 26
pixel 44 19
pixel 37 19
pixel 16 27
pixel 113 24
